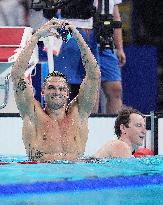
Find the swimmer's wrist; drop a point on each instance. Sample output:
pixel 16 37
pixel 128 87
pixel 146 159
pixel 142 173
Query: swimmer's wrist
pixel 36 36
pixel 74 31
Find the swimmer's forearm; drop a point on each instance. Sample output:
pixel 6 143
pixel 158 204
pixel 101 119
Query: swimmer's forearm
pixel 88 59
pixel 22 61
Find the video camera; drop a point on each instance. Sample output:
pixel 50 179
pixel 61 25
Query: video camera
pixel 48 4
pixel 71 9
pixel 104 27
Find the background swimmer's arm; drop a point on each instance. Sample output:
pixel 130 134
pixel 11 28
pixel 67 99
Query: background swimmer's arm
pixel 90 85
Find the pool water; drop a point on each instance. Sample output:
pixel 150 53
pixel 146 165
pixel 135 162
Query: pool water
pixel 88 182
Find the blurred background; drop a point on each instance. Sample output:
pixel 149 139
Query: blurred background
pixel 143 34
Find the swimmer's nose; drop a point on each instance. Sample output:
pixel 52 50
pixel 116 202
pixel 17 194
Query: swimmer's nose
pixel 56 92
pixel 144 131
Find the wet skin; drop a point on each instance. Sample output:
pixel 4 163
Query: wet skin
pixel 53 136
pixel 60 131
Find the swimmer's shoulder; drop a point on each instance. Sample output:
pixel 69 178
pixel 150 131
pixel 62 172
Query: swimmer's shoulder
pixel 119 148
pixel 35 110
pixel 104 151
pixel 114 148
pixel 75 108
pixel 72 105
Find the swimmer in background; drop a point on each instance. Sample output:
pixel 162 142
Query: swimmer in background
pixel 60 131
pixel 130 128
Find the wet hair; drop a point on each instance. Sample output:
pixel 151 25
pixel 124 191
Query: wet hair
pixel 56 74
pixel 124 118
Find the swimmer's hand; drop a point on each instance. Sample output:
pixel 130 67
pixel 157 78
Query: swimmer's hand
pixel 49 29
pixel 66 24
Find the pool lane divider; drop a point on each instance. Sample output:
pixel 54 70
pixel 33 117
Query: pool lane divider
pixel 80 185
pixel 24 162
pixel 5 163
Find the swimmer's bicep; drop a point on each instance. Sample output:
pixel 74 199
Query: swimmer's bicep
pixel 87 96
pixel 24 96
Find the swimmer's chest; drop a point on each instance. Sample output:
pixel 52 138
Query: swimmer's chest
pixel 65 131
pixel 55 135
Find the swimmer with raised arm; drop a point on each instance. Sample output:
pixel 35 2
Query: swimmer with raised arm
pixel 60 131
pixel 130 128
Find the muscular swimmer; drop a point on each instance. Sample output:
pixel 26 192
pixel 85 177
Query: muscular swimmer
pixel 60 131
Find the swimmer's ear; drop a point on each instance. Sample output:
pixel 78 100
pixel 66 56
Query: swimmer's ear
pixel 122 128
pixel 42 92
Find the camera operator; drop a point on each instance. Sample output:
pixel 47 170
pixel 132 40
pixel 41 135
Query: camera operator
pixel 109 34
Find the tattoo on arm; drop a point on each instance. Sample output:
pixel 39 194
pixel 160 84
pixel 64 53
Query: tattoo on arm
pixel 22 85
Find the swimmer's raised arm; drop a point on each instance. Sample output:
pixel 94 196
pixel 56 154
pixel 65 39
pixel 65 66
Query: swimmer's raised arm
pixel 22 87
pixel 90 85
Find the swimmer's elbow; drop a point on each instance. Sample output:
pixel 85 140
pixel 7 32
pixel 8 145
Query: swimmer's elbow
pixel 14 74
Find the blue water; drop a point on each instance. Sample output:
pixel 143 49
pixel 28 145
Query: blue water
pixel 100 182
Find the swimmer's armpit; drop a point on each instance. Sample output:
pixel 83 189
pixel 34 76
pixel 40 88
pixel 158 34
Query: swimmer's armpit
pixel 22 85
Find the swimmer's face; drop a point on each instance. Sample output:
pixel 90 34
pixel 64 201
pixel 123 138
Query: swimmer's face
pixel 56 92
pixel 136 129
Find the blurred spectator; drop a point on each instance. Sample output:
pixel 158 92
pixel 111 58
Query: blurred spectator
pixel 109 35
pixel 12 13
pixel 36 19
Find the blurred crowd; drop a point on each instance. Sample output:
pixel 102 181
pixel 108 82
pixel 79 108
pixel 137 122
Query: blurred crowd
pixel 13 13
pixel 18 13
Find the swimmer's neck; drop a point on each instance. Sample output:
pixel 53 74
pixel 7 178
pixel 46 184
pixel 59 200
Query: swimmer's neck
pixel 57 114
pixel 128 142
